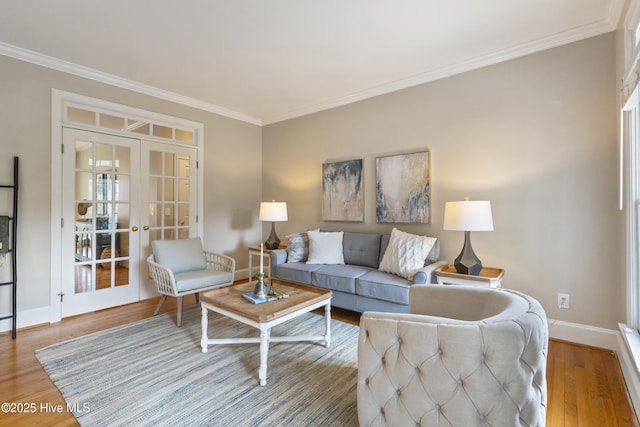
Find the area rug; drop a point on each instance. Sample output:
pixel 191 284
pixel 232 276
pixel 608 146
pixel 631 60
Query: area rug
pixel 152 373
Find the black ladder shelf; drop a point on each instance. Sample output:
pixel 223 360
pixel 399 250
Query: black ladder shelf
pixel 13 220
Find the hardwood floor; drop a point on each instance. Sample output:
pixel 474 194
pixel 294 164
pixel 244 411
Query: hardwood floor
pixel 84 278
pixel 585 386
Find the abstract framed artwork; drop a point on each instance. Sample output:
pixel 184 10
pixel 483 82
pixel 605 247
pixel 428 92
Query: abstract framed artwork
pixel 343 191
pixel 403 188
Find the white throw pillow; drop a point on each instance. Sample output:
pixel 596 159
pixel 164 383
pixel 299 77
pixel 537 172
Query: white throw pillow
pixel 325 247
pixel 406 253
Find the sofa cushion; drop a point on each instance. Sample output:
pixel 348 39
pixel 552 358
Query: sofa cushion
pixel 325 247
pixel 361 249
pixel 179 255
pixel 383 286
pixel 338 277
pixel 298 272
pixel 406 253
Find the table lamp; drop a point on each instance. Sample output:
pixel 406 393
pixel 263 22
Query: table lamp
pixel 273 211
pixel 468 216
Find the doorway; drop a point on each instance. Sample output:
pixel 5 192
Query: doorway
pixel 121 178
pixel 122 194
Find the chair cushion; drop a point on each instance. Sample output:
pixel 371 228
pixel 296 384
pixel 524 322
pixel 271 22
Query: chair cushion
pixel 201 280
pixel 180 255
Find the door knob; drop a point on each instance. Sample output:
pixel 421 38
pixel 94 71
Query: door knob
pixel 134 228
pixel 145 228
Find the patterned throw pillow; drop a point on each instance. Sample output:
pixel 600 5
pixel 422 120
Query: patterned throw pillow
pixel 297 247
pixel 406 253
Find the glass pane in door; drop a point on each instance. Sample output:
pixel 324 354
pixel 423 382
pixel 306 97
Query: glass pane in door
pixel 170 196
pixel 102 207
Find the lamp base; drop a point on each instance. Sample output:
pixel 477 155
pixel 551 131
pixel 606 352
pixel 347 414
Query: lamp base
pixel 273 242
pixel 467 262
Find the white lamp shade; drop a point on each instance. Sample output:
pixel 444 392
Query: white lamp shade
pixel 273 211
pixel 468 215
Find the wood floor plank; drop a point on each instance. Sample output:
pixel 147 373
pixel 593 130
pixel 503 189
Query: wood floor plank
pixel 584 384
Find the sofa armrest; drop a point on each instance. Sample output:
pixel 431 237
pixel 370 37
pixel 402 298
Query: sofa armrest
pixel 425 274
pixel 278 256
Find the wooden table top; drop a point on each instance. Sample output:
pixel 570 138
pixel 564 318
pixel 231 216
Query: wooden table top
pixel 230 298
pixel 257 248
pixel 486 273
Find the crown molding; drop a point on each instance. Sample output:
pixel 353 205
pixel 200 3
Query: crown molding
pixel 606 25
pixel 99 76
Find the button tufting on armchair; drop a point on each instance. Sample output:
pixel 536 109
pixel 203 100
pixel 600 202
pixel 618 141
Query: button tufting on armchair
pixel 182 267
pixel 463 356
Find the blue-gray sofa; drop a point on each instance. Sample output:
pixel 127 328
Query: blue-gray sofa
pixel 357 284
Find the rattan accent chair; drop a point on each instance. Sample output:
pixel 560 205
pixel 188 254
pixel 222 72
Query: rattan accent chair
pixel 182 267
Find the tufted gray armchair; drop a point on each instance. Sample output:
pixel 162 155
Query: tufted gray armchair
pixel 463 356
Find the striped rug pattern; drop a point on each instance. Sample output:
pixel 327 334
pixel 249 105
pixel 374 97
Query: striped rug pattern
pixel 152 373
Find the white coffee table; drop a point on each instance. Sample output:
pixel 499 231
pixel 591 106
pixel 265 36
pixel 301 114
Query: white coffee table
pixel 229 302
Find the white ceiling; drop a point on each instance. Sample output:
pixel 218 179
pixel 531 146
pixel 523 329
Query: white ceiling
pixel 264 61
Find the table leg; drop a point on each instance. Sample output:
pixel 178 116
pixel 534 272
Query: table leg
pixel 327 325
pixel 204 323
pixel 264 351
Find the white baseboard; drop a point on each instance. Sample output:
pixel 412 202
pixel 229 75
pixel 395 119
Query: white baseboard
pixel 584 334
pixel 243 273
pixel 27 318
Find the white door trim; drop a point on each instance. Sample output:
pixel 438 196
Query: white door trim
pixel 59 100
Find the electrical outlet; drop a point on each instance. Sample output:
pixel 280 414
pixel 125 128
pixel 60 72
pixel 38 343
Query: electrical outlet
pixel 564 301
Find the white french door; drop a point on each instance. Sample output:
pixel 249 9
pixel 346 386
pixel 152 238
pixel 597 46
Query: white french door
pixel 119 195
pixel 169 210
pixel 100 238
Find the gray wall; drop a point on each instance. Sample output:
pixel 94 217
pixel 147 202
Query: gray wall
pixel 536 136
pixel 232 170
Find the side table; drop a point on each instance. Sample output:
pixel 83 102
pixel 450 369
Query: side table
pixel 254 250
pixel 490 277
